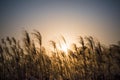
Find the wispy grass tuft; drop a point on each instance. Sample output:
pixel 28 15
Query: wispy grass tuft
pixel 90 61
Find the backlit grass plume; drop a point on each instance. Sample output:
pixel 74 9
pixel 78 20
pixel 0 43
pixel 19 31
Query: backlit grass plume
pixel 28 59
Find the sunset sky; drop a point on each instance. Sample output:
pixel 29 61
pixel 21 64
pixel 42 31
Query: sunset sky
pixel 70 18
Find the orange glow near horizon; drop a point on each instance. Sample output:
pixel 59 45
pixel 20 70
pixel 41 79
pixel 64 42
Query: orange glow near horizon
pixel 71 19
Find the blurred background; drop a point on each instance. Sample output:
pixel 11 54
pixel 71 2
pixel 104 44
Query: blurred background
pixel 100 19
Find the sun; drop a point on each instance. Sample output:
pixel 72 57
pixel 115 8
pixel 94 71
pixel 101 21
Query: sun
pixel 64 48
pixel 63 45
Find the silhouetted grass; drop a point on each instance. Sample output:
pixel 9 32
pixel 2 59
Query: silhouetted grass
pixel 24 60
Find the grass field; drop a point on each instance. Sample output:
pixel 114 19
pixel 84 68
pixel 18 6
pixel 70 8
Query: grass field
pixel 24 60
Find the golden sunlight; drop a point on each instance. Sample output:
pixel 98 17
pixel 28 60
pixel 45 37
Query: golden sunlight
pixel 64 48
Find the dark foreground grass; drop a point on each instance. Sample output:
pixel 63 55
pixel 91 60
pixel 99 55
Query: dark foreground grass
pixel 23 60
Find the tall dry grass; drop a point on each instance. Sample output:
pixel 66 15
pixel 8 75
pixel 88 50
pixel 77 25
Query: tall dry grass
pixel 24 60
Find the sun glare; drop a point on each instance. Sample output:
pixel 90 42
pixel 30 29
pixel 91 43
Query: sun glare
pixel 64 48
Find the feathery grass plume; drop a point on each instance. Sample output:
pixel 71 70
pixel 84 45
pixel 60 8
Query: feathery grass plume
pixel 14 40
pixel 63 39
pixel 99 48
pixel 74 47
pixel 38 36
pixel 6 50
pixel 3 41
pixel 26 39
pixel 82 42
pixel 53 43
pixel 34 51
pixel 9 40
pixel 90 42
